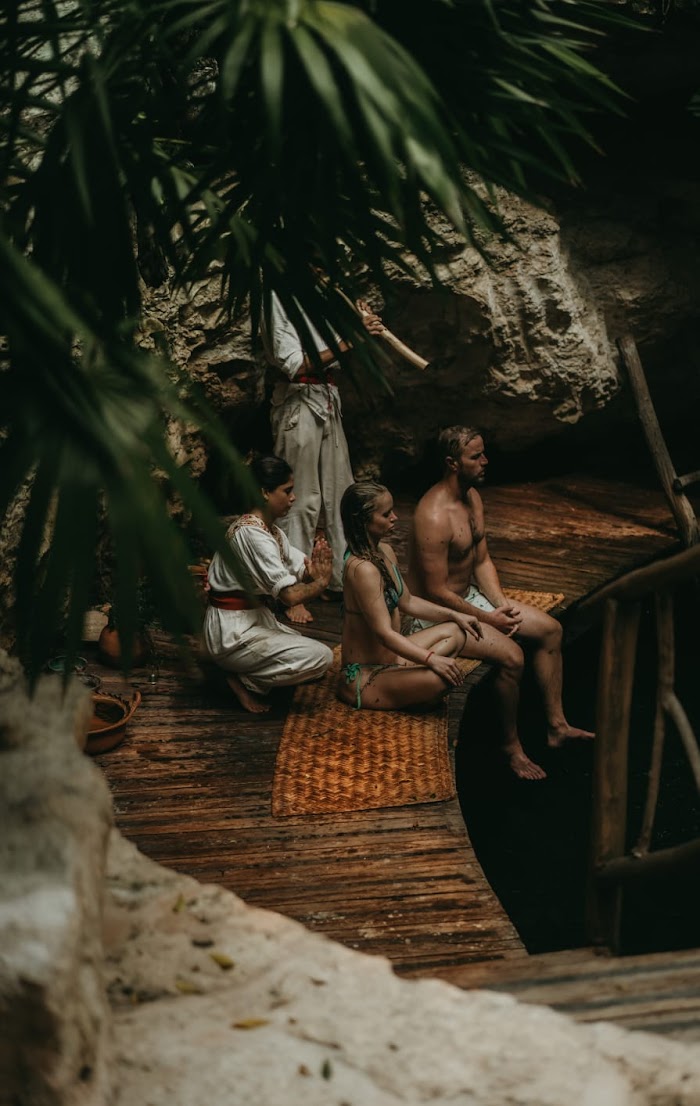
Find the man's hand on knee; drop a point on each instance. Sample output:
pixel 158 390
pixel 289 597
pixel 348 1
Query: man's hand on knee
pixel 506 618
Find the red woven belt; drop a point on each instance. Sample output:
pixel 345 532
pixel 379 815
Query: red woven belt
pixel 230 603
pixel 307 378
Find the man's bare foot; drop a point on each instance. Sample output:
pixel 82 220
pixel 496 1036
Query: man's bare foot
pixel 298 613
pixel 558 736
pixel 524 768
pixel 248 699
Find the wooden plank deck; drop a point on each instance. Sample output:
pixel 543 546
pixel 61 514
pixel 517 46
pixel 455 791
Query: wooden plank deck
pixel 659 992
pixel 192 782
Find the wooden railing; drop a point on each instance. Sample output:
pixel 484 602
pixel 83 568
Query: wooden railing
pixel 673 485
pixel 612 865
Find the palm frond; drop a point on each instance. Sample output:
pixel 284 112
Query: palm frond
pixel 256 135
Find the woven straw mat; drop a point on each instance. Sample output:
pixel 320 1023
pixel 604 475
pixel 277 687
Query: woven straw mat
pixel 333 758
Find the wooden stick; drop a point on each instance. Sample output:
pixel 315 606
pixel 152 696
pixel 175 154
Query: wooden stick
pixel 662 574
pixel 682 482
pixel 410 355
pixel 676 859
pixel 664 685
pixel 609 813
pixel 690 744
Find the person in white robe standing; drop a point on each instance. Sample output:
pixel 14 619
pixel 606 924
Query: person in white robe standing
pixel 308 433
pixel 241 633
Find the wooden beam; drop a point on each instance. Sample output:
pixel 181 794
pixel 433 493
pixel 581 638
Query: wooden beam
pixel 681 507
pixel 682 482
pixel 677 860
pixel 666 666
pixel 675 710
pixel 609 808
pixel 660 575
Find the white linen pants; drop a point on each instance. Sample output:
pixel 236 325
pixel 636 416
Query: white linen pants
pixel 318 455
pixel 263 652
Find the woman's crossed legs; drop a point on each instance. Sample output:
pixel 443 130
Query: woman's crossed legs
pixel 400 685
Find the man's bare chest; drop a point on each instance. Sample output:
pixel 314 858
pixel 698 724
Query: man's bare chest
pixel 464 536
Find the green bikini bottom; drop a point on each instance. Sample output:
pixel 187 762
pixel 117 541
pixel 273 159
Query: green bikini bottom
pixel 353 675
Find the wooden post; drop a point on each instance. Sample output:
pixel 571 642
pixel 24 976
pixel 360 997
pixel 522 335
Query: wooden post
pixel 609 813
pixel 664 686
pixel 680 505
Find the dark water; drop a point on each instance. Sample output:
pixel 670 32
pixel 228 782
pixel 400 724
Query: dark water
pixel 532 839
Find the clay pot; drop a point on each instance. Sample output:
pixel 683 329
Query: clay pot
pixel 107 727
pixel 109 649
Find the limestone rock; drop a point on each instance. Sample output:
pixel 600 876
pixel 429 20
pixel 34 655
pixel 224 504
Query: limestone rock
pixel 193 328
pixel 528 325
pixel 56 814
pixel 529 347
pixel 218 1002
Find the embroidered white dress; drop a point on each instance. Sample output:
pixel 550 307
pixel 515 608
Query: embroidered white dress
pixel 263 652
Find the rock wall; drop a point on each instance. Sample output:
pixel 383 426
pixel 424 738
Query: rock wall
pixel 526 329
pixel 55 814
pixel 530 350
pixel 528 325
pixel 217 1002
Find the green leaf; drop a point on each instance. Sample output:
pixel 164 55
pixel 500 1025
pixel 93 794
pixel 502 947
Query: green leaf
pixel 235 59
pixel 108 125
pixel 272 76
pixel 319 73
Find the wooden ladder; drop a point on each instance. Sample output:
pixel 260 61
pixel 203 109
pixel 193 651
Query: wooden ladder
pixel 673 485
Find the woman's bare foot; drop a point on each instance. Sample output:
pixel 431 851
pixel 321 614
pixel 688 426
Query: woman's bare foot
pixel 248 699
pixel 524 768
pixel 298 613
pixel 557 735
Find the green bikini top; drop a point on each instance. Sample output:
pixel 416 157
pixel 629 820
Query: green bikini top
pixel 391 594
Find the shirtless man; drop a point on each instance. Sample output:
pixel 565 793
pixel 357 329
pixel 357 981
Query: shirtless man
pixel 449 564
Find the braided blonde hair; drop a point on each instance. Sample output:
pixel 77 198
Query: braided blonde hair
pixel 356 508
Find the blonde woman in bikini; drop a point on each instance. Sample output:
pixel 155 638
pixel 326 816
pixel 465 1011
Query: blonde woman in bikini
pixel 382 669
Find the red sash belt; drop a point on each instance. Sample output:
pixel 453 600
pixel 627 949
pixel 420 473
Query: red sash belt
pixel 230 603
pixel 309 378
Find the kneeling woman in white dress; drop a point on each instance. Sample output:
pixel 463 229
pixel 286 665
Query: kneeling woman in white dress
pixel 241 633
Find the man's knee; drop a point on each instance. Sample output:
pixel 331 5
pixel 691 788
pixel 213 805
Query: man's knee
pixel 552 632
pixel 512 659
pixel 540 629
